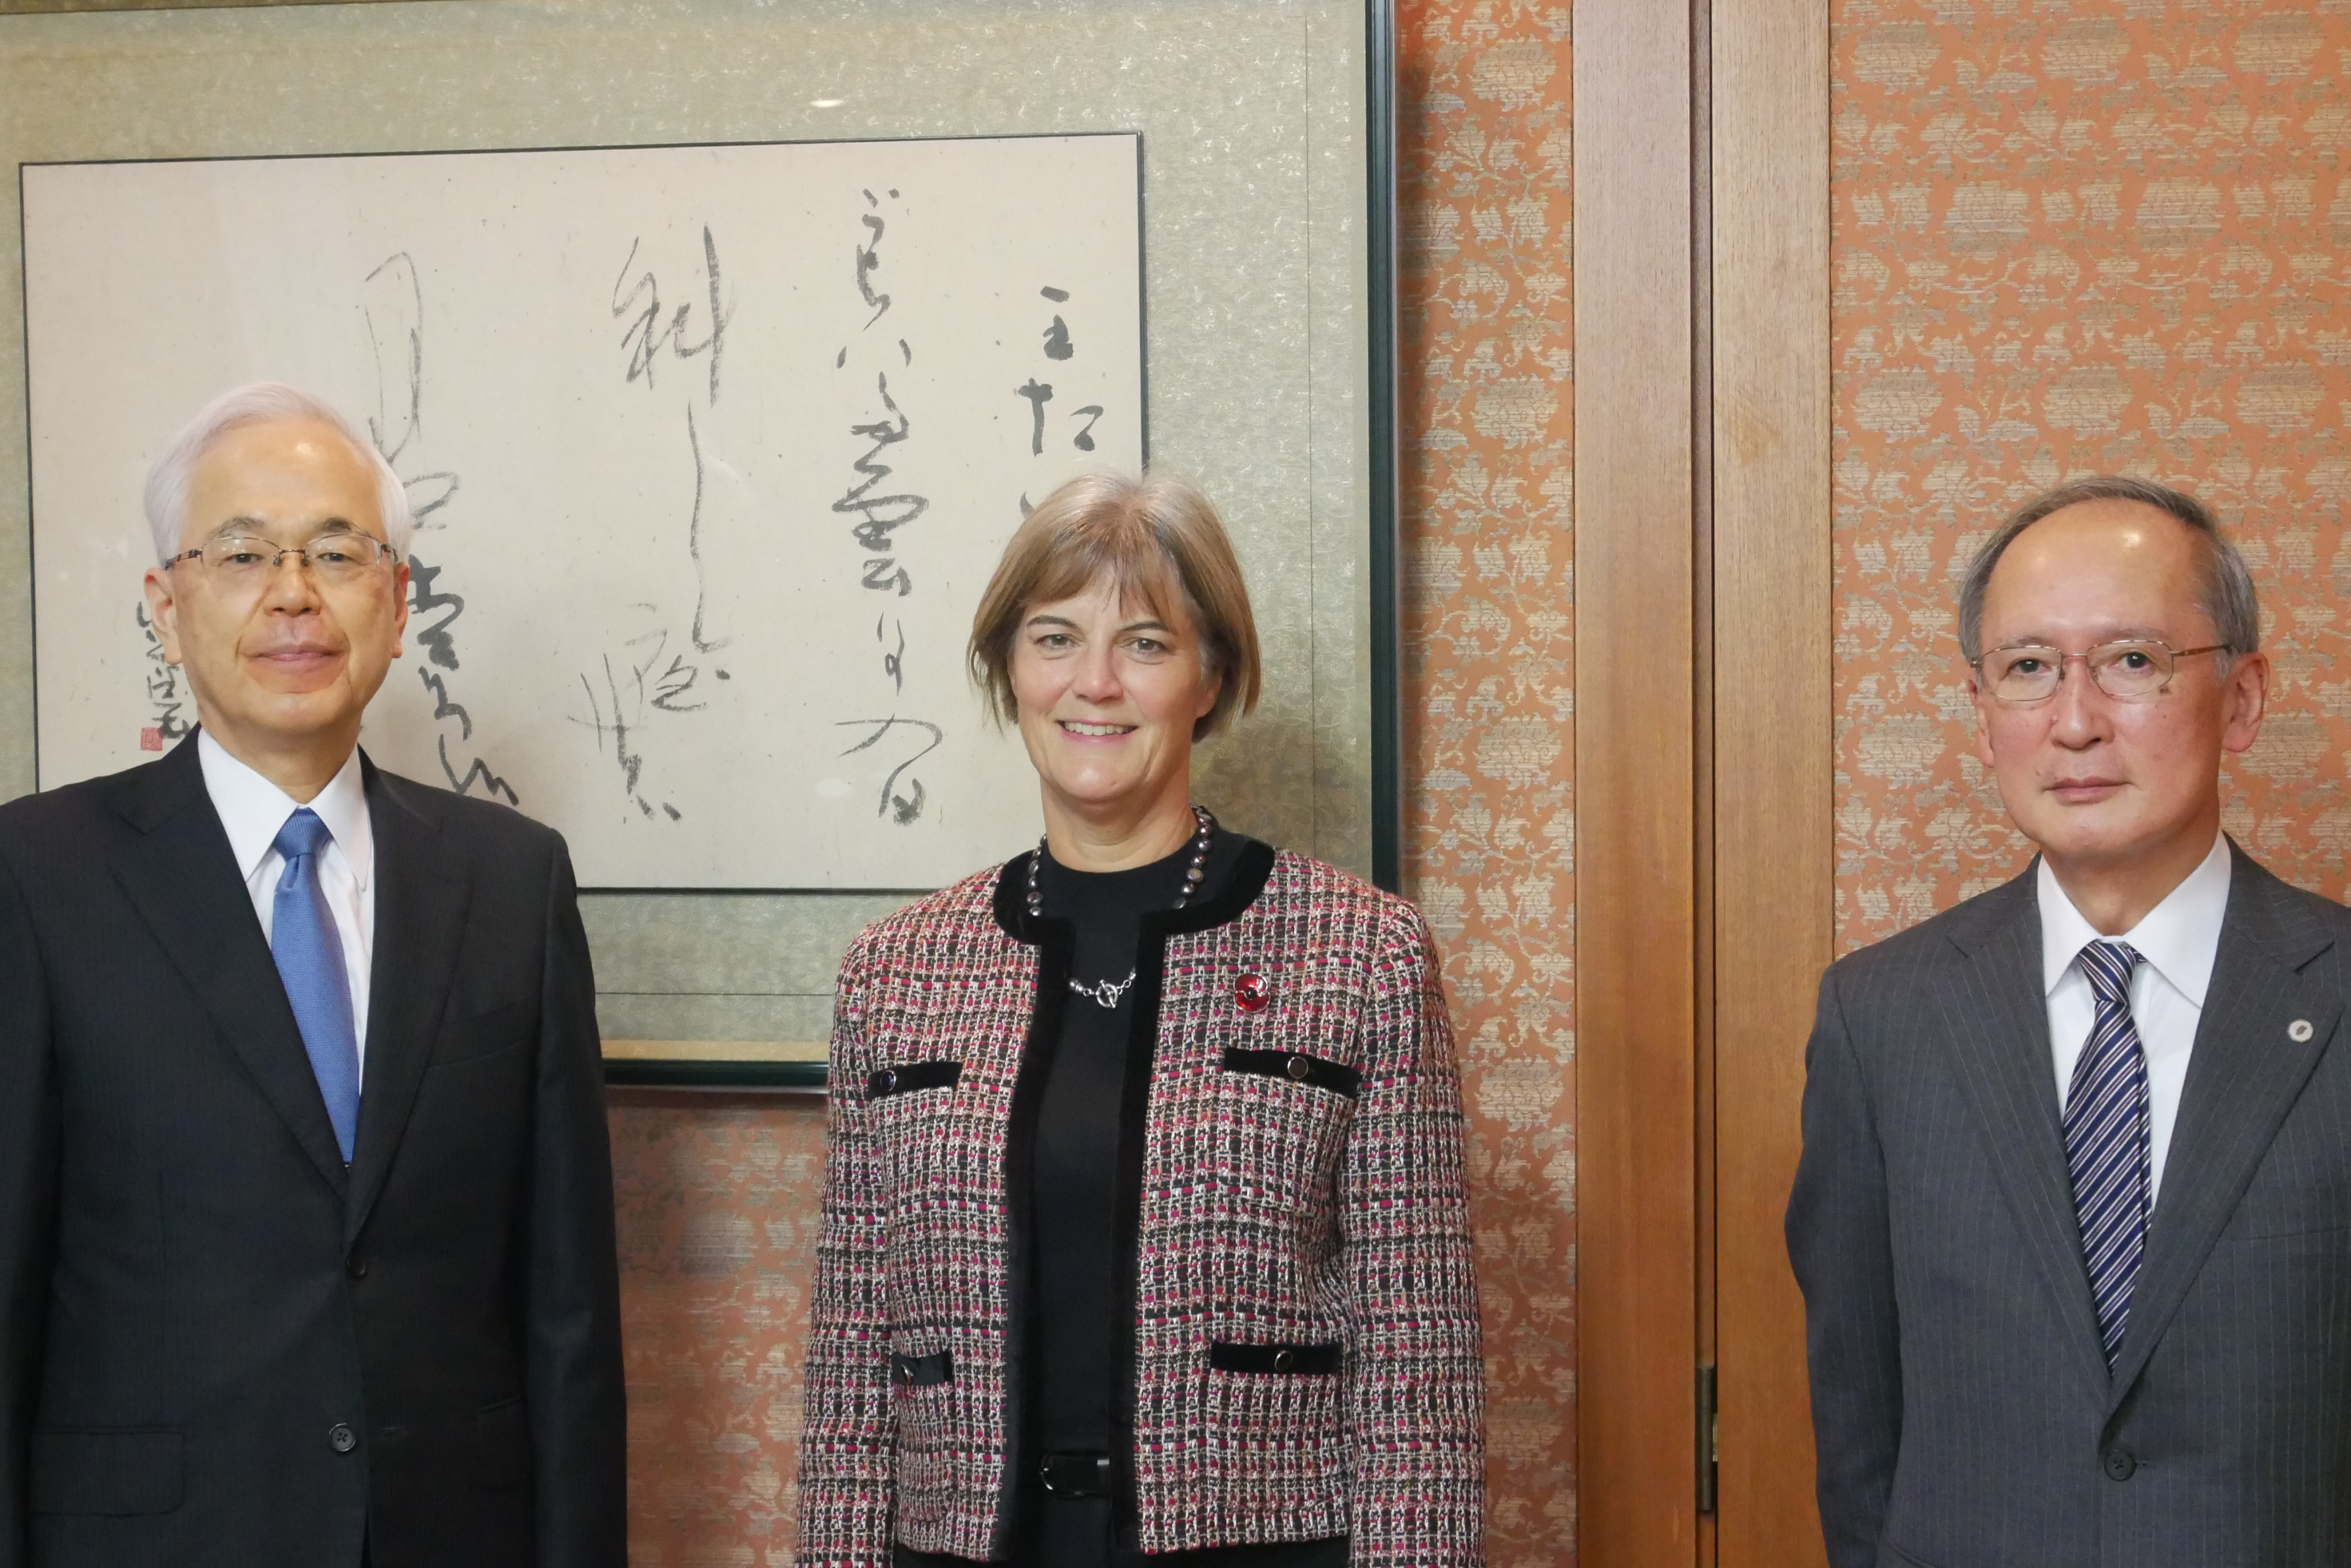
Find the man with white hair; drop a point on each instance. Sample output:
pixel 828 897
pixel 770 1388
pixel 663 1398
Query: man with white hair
pixel 306 1208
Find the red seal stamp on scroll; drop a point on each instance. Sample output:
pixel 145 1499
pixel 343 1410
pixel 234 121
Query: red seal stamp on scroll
pixel 1253 993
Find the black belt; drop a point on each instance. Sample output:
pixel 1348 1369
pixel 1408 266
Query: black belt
pixel 1075 1475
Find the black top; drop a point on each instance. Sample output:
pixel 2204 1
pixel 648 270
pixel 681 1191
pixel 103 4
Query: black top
pixel 1076 1169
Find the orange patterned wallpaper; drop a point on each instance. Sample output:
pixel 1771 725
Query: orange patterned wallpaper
pixel 2075 237
pixel 718 1210
pixel 1489 685
pixel 717 1201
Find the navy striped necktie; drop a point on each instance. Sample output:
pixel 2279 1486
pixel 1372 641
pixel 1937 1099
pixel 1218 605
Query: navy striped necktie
pixel 2106 1141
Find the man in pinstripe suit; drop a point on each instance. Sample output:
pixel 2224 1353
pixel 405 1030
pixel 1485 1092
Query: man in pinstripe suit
pixel 2074 1217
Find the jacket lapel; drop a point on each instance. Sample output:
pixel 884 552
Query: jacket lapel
pixel 1997 1011
pixel 2243 1076
pixel 420 921
pixel 181 876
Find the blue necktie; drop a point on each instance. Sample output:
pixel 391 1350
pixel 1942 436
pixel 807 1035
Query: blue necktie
pixel 309 954
pixel 2106 1141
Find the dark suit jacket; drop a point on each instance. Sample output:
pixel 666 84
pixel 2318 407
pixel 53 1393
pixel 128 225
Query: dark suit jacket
pixel 1963 1409
pixel 217 1345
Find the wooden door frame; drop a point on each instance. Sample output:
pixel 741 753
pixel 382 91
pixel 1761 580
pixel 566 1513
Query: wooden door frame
pixel 1636 671
pixel 1703 759
pixel 1774 738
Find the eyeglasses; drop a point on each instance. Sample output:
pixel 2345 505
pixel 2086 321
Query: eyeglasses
pixel 2134 671
pixel 239 561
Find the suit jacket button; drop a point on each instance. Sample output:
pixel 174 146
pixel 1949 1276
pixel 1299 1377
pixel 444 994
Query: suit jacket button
pixel 342 1439
pixel 1299 1069
pixel 1284 1360
pixel 2120 1466
pixel 357 1266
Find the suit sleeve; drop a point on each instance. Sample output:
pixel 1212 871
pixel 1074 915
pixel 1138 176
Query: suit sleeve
pixel 1416 1380
pixel 578 1408
pixel 849 1430
pixel 1842 1248
pixel 28 1196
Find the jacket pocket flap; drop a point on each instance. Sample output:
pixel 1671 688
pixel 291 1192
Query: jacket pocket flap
pixel 502 1435
pixel 485 1034
pixel 1298 1067
pixel 907 1077
pixel 1275 1360
pixel 115 1473
pixel 921 1371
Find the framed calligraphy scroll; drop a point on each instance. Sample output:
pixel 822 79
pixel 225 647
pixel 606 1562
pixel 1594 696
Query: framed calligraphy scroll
pixel 712 448
pixel 715 432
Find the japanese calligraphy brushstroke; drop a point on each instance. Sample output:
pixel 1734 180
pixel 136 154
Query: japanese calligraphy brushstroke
pixel 712 449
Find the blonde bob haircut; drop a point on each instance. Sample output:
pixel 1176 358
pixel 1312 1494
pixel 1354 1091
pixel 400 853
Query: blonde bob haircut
pixel 1159 540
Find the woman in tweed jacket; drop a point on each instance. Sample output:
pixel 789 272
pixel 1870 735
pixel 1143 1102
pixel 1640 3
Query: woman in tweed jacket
pixel 1145 1239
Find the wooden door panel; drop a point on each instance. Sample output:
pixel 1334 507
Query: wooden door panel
pixel 1772 805
pixel 1635 655
pixel 1704 749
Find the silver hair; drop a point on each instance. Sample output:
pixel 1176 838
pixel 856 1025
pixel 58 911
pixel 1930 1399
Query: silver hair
pixel 2225 591
pixel 260 402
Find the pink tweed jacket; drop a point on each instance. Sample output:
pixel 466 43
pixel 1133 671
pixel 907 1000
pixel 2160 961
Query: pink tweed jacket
pixel 1303 1341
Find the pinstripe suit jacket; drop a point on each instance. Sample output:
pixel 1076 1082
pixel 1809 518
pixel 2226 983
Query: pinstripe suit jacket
pixel 1964 1411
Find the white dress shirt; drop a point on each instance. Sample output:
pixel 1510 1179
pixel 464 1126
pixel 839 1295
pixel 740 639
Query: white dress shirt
pixel 2178 939
pixel 253 809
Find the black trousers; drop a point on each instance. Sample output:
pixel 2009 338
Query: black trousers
pixel 1075 1533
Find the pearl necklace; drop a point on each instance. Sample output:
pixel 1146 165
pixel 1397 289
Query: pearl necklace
pixel 1109 993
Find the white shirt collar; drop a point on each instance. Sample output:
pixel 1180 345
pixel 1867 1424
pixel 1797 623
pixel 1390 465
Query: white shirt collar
pixel 2179 937
pixel 252 810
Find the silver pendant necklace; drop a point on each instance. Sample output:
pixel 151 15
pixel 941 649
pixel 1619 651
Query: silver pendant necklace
pixel 1103 993
pixel 1110 993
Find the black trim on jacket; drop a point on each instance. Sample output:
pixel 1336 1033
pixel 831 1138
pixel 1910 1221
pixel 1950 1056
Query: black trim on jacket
pixel 907 1077
pixel 1298 1067
pixel 921 1371
pixel 1056 942
pixel 1275 1360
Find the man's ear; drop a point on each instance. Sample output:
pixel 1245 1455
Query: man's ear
pixel 399 610
pixel 2245 697
pixel 1981 705
pixel 162 610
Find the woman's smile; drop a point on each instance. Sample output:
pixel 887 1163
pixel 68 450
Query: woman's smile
pixel 1107 689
